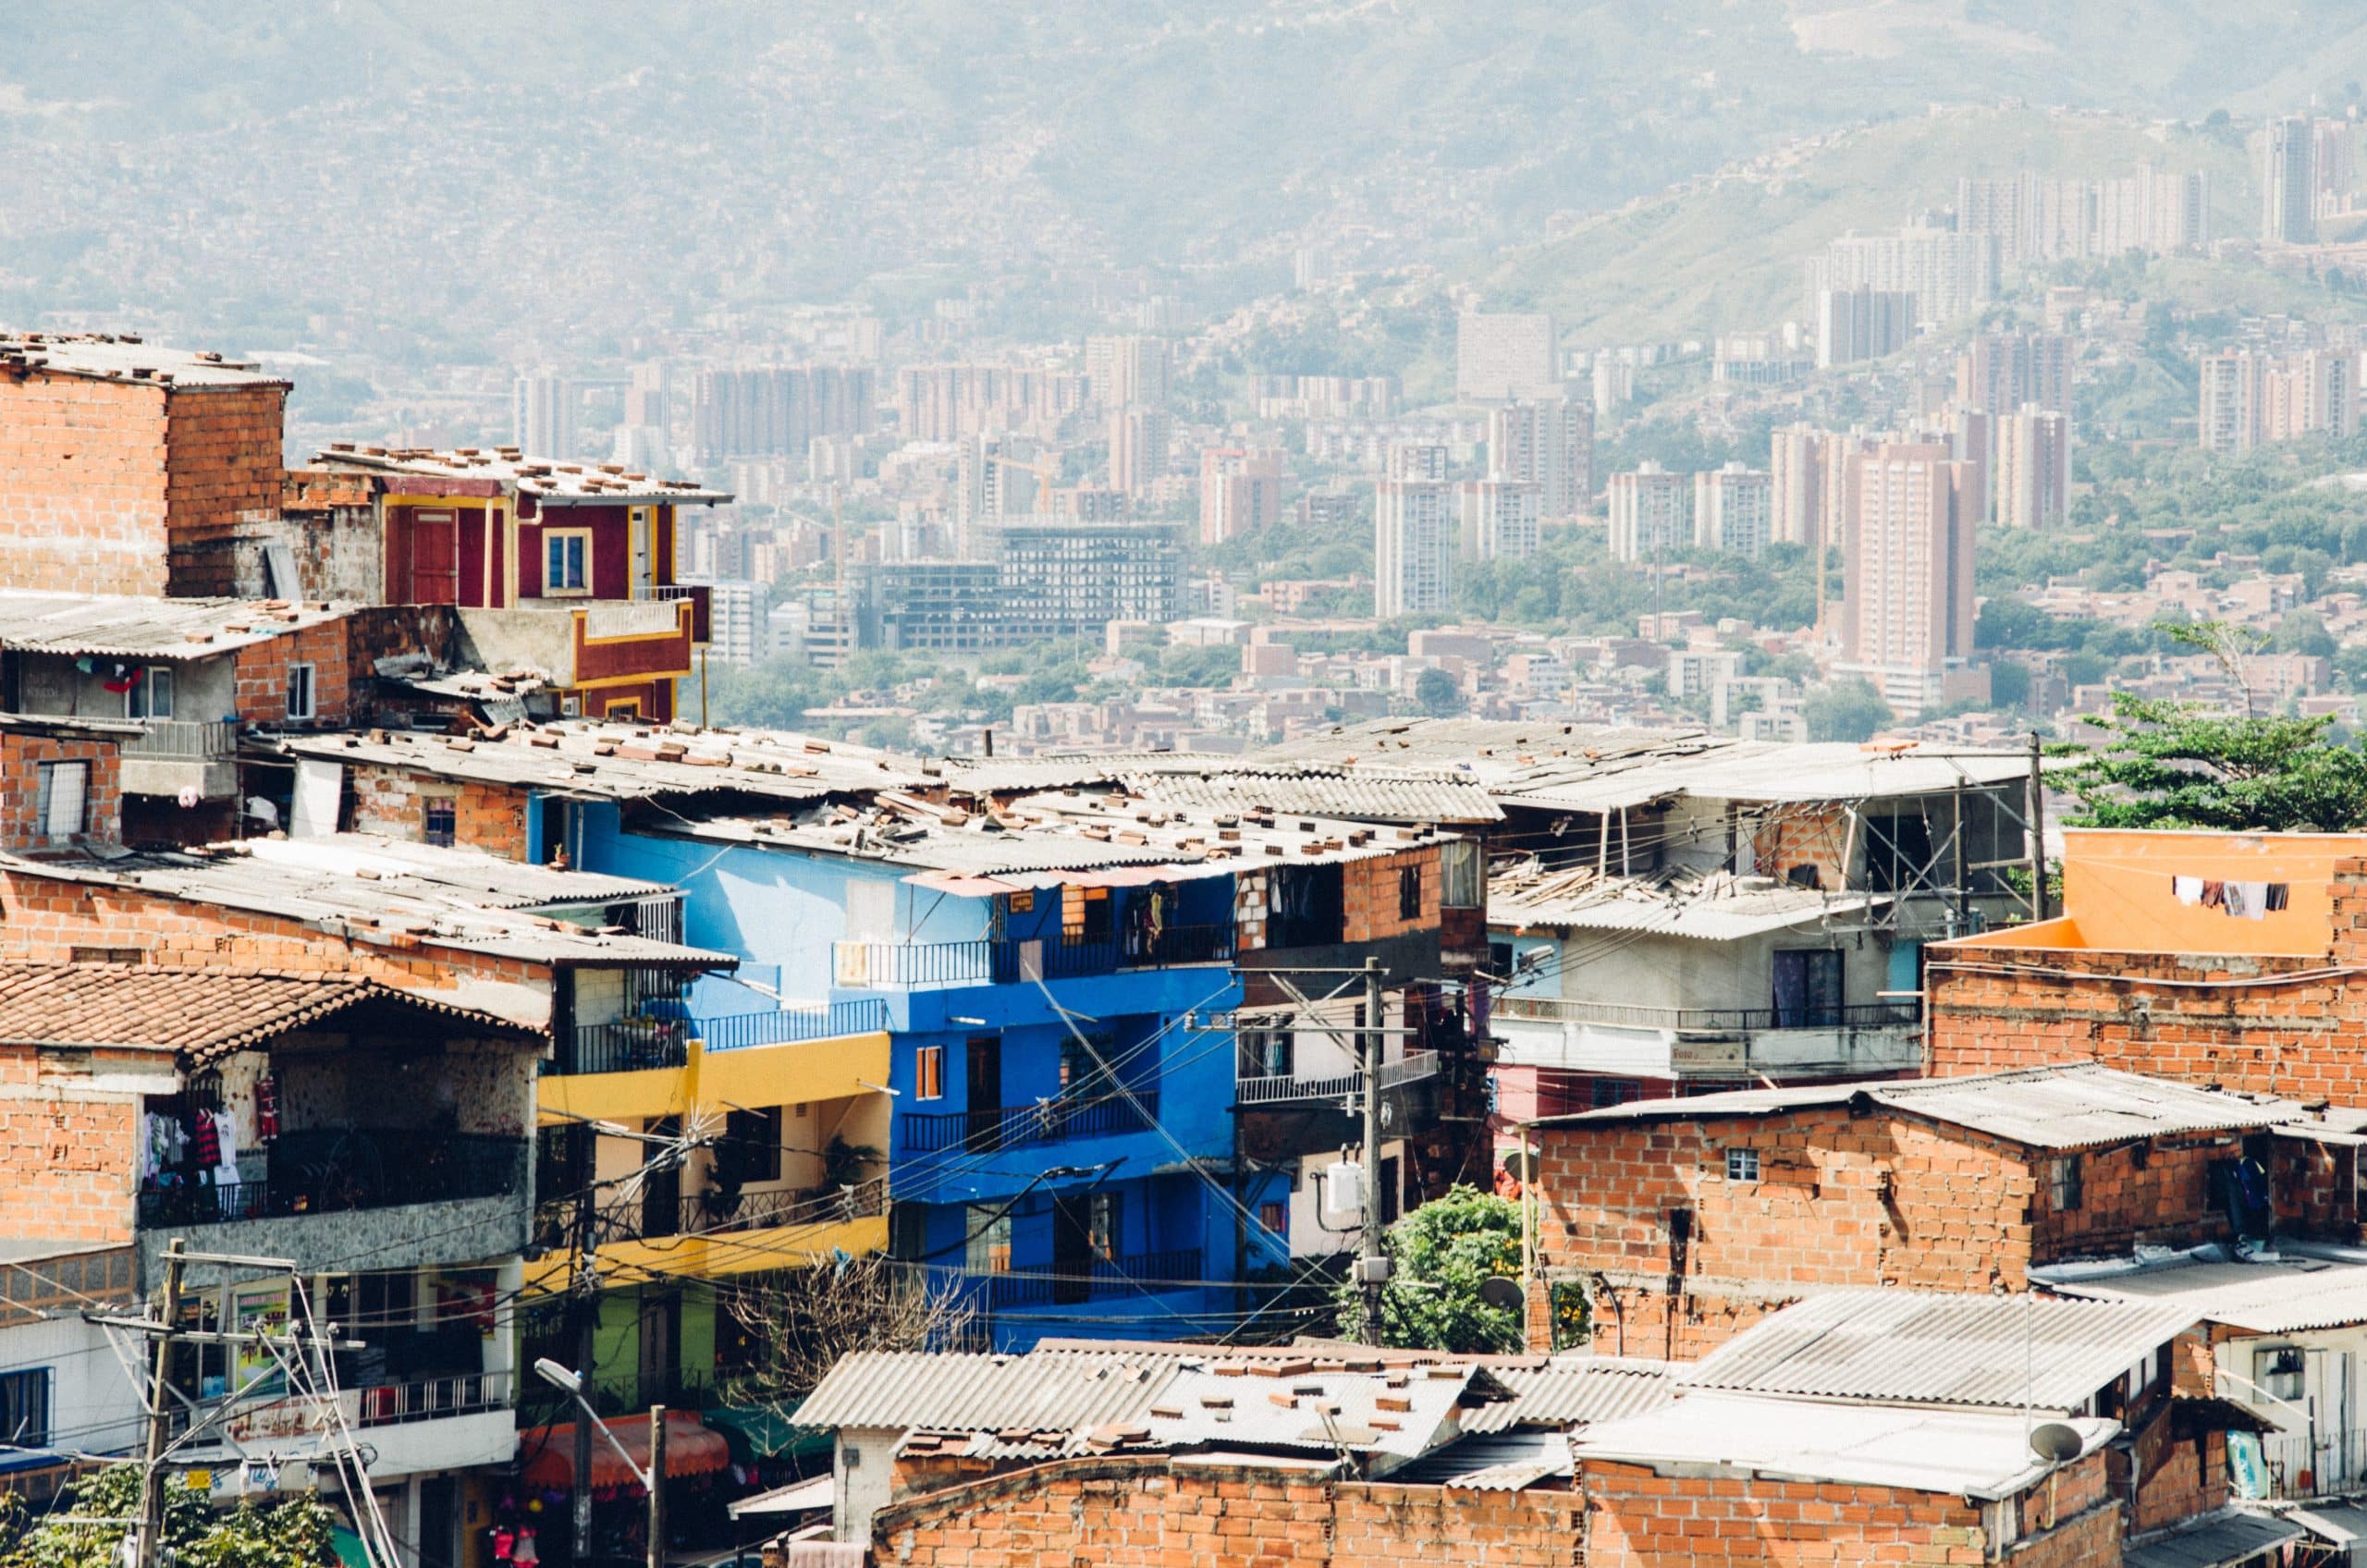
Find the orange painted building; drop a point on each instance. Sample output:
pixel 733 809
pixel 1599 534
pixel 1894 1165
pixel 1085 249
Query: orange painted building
pixel 2232 959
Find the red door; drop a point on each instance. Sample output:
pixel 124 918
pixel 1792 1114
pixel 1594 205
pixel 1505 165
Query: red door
pixel 434 559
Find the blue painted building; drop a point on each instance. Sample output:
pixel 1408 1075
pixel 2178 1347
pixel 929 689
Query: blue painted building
pixel 1062 1145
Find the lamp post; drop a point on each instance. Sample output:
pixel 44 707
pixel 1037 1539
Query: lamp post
pixel 571 1383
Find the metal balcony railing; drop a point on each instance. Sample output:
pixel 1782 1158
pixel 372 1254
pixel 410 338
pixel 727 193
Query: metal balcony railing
pixel 628 1045
pixel 1710 1019
pixel 433 1398
pixel 320 1172
pixel 702 599
pixel 185 739
pixel 1002 961
pixel 2308 1464
pixel 711 1212
pixel 1145 1273
pixel 1415 1067
pixel 1051 1122
pixel 863 1015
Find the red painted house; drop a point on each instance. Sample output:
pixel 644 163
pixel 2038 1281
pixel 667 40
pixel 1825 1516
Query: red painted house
pixel 563 568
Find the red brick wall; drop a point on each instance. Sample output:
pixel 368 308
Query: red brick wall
pixel 1818 837
pixel 20 759
pixel 1841 1200
pixel 260 672
pixel 1148 1513
pixel 222 464
pixel 485 817
pixel 1637 1519
pixel 67 1160
pixel 82 484
pixel 1369 895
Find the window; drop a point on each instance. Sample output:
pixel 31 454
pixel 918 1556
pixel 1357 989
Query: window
pixel 988 1248
pixel 2063 1183
pixel 1461 885
pixel 440 820
pixel 105 955
pixel 1409 893
pixel 1742 1165
pixel 567 560
pixel 1086 915
pixel 1616 1091
pixel 299 691
pixel 2279 1372
pixel 1102 1226
pixel 1390 1189
pixel 59 807
pixel 928 1073
pixel 1082 1069
pixel 1808 988
pixel 625 708
pixel 752 1139
pixel 24 1408
pixel 1265 1053
pixel 1275 1218
pixel 151 695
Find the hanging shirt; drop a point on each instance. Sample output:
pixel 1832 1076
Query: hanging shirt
pixel 226 1137
pixel 206 1141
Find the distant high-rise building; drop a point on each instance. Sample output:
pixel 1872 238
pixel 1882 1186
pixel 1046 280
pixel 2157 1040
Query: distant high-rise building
pixel 1498 518
pixel 1415 535
pixel 2229 419
pixel 1415 460
pixel 1549 443
pixel 945 402
pixel 1853 324
pixel 1734 509
pixel 778 410
pixel 541 415
pixel 2032 469
pixel 1648 512
pixel 2002 371
pixel 1950 275
pixel 648 400
pixel 2249 399
pixel 1907 604
pixel 1240 492
pixel 1129 370
pixel 1498 358
pixel 740 616
pixel 2040 218
pixel 1140 439
pixel 996 476
pixel 1795 484
pixel 2289 182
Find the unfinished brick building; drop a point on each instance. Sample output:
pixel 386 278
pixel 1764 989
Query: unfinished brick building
pixel 1666 1226
pixel 2218 957
pixel 127 467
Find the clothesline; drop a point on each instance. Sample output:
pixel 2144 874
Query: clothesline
pixel 2237 900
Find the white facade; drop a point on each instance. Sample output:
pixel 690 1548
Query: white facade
pixel 1414 533
pixel 1498 518
pixel 1734 511
pixel 1648 512
pixel 1502 357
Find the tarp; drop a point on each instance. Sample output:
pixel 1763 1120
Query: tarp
pixel 758 1432
pixel 691 1449
pixel 796 1499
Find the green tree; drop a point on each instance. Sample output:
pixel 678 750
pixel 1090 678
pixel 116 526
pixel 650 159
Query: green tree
pixel 1846 710
pixel 1440 1253
pixel 289 1534
pixel 1436 693
pixel 2181 764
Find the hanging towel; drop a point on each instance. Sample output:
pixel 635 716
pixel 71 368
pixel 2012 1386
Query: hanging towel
pixel 2254 897
pixel 2279 895
pixel 2188 889
pixel 2234 903
pixel 2214 894
pixel 226 1135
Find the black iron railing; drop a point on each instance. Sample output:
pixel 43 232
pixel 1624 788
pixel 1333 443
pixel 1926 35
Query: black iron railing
pixel 1016 1126
pixel 319 1171
pixel 1003 961
pixel 713 1212
pixel 1711 1020
pixel 1145 1273
pixel 627 1045
pixel 864 1015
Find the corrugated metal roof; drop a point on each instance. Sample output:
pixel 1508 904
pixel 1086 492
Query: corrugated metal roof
pixel 902 1390
pixel 124 358
pixel 1716 907
pixel 1489 1462
pixel 2067 1107
pixel 2290 1295
pixel 549 480
pixel 1950 1453
pixel 1358 797
pixel 1571 1391
pixel 108 627
pixel 1941 1348
pixel 1324 1411
pixel 2230 1538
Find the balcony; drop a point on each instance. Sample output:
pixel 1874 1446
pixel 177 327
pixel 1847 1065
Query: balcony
pixel 1051 1122
pixel 698 595
pixel 1278 1089
pixel 342 1171
pixel 430 1399
pixel 170 756
pixel 1143 1274
pixel 630 1044
pixel 710 1214
pixel 1631 1040
pixel 864 1015
pixel 1003 961
pixel 579 642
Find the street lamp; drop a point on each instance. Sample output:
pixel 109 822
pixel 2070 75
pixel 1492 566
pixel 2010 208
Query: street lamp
pixel 568 1381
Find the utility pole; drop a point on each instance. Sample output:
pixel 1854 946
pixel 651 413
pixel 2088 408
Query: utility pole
pixel 152 1470
pixel 1372 1268
pixel 2038 834
pixel 656 1486
pixel 583 1302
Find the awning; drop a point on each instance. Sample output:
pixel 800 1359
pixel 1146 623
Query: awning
pixel 2337 1524
pixel 759 1431
pixel 2216 1543
pixel 797 1498
pixel 691 1449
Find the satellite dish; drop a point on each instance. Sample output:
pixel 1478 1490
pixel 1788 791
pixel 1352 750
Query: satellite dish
pixel 1520 1164
pixel 2056 1443
pixel 1504 1295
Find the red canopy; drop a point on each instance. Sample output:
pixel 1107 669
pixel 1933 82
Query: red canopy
pixel 691 1449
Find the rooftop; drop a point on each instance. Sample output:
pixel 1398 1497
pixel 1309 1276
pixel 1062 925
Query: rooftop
pixel 547 480
pixel 111 626
pixel 1711 907
pixel 198 1015
pixel 1941 1348
pixel 1228 783
pixel 1956 1452
pixel 2069 1107
pixel 106 357
pixel 2303 1288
